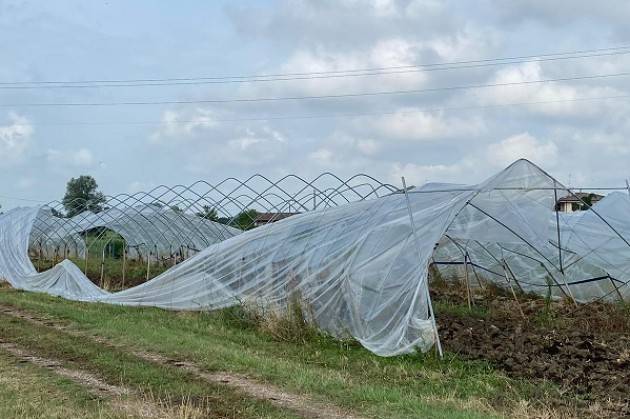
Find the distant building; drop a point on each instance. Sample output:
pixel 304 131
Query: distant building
pixel 578 201
pixel 271 217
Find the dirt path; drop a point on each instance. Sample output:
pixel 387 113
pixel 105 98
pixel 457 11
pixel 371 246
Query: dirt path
pixel 120 398
pixel 301 405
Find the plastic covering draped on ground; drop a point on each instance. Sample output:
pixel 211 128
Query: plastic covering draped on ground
pixel 361 271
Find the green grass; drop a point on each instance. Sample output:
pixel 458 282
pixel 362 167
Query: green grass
pixel 31 392
pixel 119 367
pixel 460 310
pixel 326 369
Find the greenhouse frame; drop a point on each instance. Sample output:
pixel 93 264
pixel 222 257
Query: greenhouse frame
pixel 357 253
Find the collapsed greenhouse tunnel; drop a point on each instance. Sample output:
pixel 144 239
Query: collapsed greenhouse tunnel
pixel 593 261
pixel 363 272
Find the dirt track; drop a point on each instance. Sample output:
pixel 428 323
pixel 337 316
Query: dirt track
pixel 299 404
pixel 586 351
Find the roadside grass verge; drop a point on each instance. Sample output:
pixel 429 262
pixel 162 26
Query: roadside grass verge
pixel 166 384
pixel 342 372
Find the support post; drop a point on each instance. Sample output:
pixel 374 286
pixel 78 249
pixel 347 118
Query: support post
pixel 124 263
pixel 86 255
pixel 103 264
pixel 505 272
pixel 426 282
pixel 148 263
pixel 468 297
pixel 40 257
pixel 472 266
pixel 555 194
pixel 509 270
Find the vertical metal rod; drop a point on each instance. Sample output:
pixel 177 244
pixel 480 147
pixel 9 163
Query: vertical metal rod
pixel 103 264
pixel 148 263
pixel 157 257
pixel 86 254
pixel 426 282
pixel 555 194
pixel 466 280
pixel 124 263
pixel 40 257
pixel 628 186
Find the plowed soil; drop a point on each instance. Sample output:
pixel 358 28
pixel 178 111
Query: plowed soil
pixel 584 349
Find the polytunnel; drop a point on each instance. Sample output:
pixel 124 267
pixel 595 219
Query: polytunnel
pixel 361 268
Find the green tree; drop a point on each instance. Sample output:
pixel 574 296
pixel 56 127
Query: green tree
pixel 82 194
pixel 245 219
pixel 209 213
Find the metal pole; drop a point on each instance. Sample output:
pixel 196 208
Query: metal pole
pixel 467 283
pixel 103 264
pixel 426 282
pixel 124 263
pixel 555 194
pixel 86 254
pixel 148 263
pixel 40 257
pixel 628 186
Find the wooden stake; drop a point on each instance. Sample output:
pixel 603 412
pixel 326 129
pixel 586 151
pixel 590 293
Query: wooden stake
pixel 512 289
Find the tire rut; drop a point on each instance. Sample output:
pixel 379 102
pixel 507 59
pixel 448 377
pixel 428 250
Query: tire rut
pixel 120 398
pixel 299 404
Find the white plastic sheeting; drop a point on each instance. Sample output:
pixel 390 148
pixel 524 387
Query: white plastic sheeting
pixel 146 229
pixel 359 269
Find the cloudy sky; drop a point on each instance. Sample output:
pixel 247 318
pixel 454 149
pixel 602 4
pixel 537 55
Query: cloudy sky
pixel 441 133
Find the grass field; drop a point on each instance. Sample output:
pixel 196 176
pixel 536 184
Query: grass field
pixel 326 370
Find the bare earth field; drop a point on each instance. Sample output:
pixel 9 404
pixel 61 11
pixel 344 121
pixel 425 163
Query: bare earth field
pixel 585 350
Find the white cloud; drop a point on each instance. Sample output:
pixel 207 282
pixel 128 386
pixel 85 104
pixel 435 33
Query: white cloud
pixel 182 125
pixel 140 186
pixel 556 98
pixel 418 174
pixel 15 138
pixel 475 166
pixel 392 52
pixel 411 124
pixel 522 146
pixel 82 157
pixel 209 141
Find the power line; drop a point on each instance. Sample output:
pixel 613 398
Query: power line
pixel 318 97
pixel 286 77
pixel 585 53
pixel 342 115
pixel 21 199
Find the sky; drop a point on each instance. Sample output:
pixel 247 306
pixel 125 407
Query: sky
pixel 440 134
